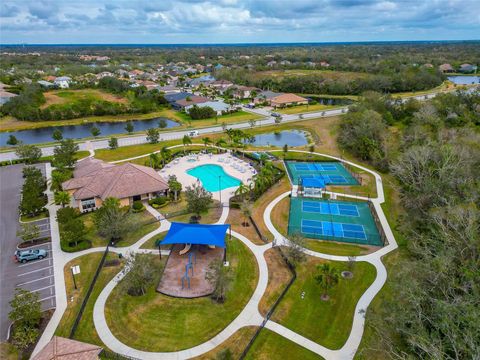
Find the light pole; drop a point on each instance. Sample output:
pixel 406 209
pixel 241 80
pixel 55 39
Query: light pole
pixel 220 187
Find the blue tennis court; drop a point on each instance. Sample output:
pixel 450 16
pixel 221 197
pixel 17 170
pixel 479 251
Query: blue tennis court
pixel 332 173
pixel 327 207
pixel 334 229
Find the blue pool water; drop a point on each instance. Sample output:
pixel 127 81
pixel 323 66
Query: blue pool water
pixel 213 177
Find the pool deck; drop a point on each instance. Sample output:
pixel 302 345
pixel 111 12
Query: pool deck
pixel 180 166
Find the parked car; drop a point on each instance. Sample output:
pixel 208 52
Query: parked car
pixel 275 114
pixel 26 255
pixel 193 133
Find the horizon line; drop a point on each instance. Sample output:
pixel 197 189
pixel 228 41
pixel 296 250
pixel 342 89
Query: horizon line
pixel 243 43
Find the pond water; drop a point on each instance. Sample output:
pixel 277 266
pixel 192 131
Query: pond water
pixel 465 80
pixel 289 137
pixel 42 135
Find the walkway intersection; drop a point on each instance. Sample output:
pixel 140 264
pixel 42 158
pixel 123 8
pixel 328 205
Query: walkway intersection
pixel 250 315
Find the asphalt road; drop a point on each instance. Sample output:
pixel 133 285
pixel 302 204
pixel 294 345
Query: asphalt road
pixel 34 276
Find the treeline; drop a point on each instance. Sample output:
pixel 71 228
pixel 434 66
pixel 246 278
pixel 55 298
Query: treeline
pixel 33 198
pixel 28 104
pixel 433 150
pixel 409 79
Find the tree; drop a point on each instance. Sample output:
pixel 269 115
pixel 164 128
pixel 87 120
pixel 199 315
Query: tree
pixel 165 153
pixel 28 232
pixel 62 198
pixel 24 336
pixel 154 161
pixel 285 150
pixel 246 210
pixel 33 200
pixel 294 251
pixel 95 131
pixel 25 313
pixel 187 140
pixel 327 278
pixel 198 199
pixel 162 123
pixel 113 143
pixel 112 221
pixel 140 272
pixel 252 122
pixel 12 140
pixel 174 186
pixel 73 231
pixel 64 154
pixel 28 153
pixel 57 135
pixel 129 127
pixel 277 119
pixel 220 277
pixel 242 190
pixel 206 141
pixel 153 135
pixel 224 126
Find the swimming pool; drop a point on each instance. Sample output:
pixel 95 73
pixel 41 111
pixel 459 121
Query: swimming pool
pixel 213 177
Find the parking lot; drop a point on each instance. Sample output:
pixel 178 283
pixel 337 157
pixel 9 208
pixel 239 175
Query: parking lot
pixel 36 275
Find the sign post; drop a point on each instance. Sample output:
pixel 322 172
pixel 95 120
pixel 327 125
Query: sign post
pixel 75 270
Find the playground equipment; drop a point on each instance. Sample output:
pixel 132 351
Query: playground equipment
pixel 192 259
pixel 185 249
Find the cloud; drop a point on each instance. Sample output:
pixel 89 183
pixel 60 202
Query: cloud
pixel 236 20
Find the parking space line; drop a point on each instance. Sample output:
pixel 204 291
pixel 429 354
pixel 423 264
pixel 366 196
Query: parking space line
pixel 31 281
pixel 43 288
pixel 33 263
pixel 33 271
pixel 47 298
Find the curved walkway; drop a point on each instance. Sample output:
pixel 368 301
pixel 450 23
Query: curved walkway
pixel 250 315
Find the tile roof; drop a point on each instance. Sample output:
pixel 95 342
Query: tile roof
pixel 193 100
pixel 94 178
pixel 287 98
pixel 65 349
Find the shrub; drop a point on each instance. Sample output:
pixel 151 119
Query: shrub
pixel 137 206
pixel 158 201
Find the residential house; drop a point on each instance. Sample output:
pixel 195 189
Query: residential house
pixel 172 98
pixel 285 62
pixel 205 80
pixel 264 96
pixel 191 100
pixel 169 89
pixel 218 106
pixel 59 348
pixel 104 74
pixel 467 68
pixel 45 84
pixel 244 92
pixel 287 100
pixel 324 64
pixel 446 68
pixel 94 180
pixel 221 85
pixel 63 82
pixel 6 96
pixel 271 63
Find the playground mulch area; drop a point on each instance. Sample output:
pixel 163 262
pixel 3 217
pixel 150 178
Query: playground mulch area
pixel 171 281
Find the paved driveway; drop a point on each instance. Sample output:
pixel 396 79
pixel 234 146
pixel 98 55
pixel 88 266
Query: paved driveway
pixel 34 276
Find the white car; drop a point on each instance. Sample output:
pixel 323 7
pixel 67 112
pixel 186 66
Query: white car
pixel 193 133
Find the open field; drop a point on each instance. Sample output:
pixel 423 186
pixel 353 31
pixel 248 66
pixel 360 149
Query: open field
pixel 325 322
pixel 60 97
pixel 327 74
pixel 155 322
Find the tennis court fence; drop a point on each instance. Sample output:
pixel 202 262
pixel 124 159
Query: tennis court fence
pixel 378 223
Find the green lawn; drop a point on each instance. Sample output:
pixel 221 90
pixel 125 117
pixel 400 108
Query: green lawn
pixel 305 108
pixel 42 215
pixel 325 322
pixel 88 263
pixel 333 248
pixel 271 346
pixel 128 239
pixel 125 152
pixel 155 322
pixel 150 243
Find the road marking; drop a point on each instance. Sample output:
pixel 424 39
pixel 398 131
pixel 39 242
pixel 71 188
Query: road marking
pixel 31 281
pixel 47 298
pixel 34 262
pixel 34 290
pixel 33 271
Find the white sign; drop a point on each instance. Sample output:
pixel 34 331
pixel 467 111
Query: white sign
pixel 76 269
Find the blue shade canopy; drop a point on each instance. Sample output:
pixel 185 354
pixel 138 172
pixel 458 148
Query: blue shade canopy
pixel 202 234
pixel 315 182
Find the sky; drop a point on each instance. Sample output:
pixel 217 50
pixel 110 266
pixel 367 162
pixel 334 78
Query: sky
pixel 235 21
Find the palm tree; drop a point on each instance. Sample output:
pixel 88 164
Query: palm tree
pixel 327 278
pixel 221 143
pixel 242 190
pixel 62 198
pixel 246 209
pixel 263 158
pixel 187 140
pixel 154 161
pixel 206 141
pixel 165 154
